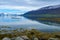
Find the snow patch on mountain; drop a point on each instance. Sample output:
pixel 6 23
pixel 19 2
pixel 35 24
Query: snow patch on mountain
pixel 51 7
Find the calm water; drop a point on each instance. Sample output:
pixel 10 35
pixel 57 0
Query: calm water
pixel 22 22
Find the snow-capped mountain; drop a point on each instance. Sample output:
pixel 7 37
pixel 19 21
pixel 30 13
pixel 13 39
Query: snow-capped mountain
pixel 46 15
pixel 46 10
pixel 51 7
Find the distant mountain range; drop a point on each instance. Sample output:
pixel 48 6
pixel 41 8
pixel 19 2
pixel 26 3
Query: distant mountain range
pixel 47 15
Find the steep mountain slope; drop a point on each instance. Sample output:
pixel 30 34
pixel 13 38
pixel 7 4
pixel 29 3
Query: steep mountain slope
pixel 47 15
pixel 45 10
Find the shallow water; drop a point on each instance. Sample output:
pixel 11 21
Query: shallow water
pixel 22 22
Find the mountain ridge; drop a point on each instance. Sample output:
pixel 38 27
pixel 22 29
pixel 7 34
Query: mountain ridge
pixel 45 10
pixel 46 16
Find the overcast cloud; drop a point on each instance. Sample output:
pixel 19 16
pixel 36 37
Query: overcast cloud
pixel 29 2
pixel 26 4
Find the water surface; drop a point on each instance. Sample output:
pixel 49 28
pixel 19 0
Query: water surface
pixel 22 22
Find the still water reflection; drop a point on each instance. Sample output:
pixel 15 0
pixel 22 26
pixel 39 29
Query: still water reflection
pixel 22 22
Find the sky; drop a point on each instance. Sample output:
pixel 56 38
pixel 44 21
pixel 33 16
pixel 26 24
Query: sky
pixel 22 6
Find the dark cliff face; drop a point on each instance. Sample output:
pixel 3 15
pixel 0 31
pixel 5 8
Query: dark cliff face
pixel 46 15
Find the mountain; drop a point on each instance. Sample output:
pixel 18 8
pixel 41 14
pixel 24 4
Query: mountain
pixel 47 15
pixel 45 10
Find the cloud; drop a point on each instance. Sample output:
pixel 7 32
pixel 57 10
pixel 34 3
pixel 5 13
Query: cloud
pixel 31 3
pixel 43 2
pixel 26 4
pixel 15 9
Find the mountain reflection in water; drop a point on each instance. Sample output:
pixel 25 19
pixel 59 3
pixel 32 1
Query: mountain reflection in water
pixel 26 23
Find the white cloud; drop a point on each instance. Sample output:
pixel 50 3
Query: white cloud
pixel 26 4
pixel 32 3
pixel 17 7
